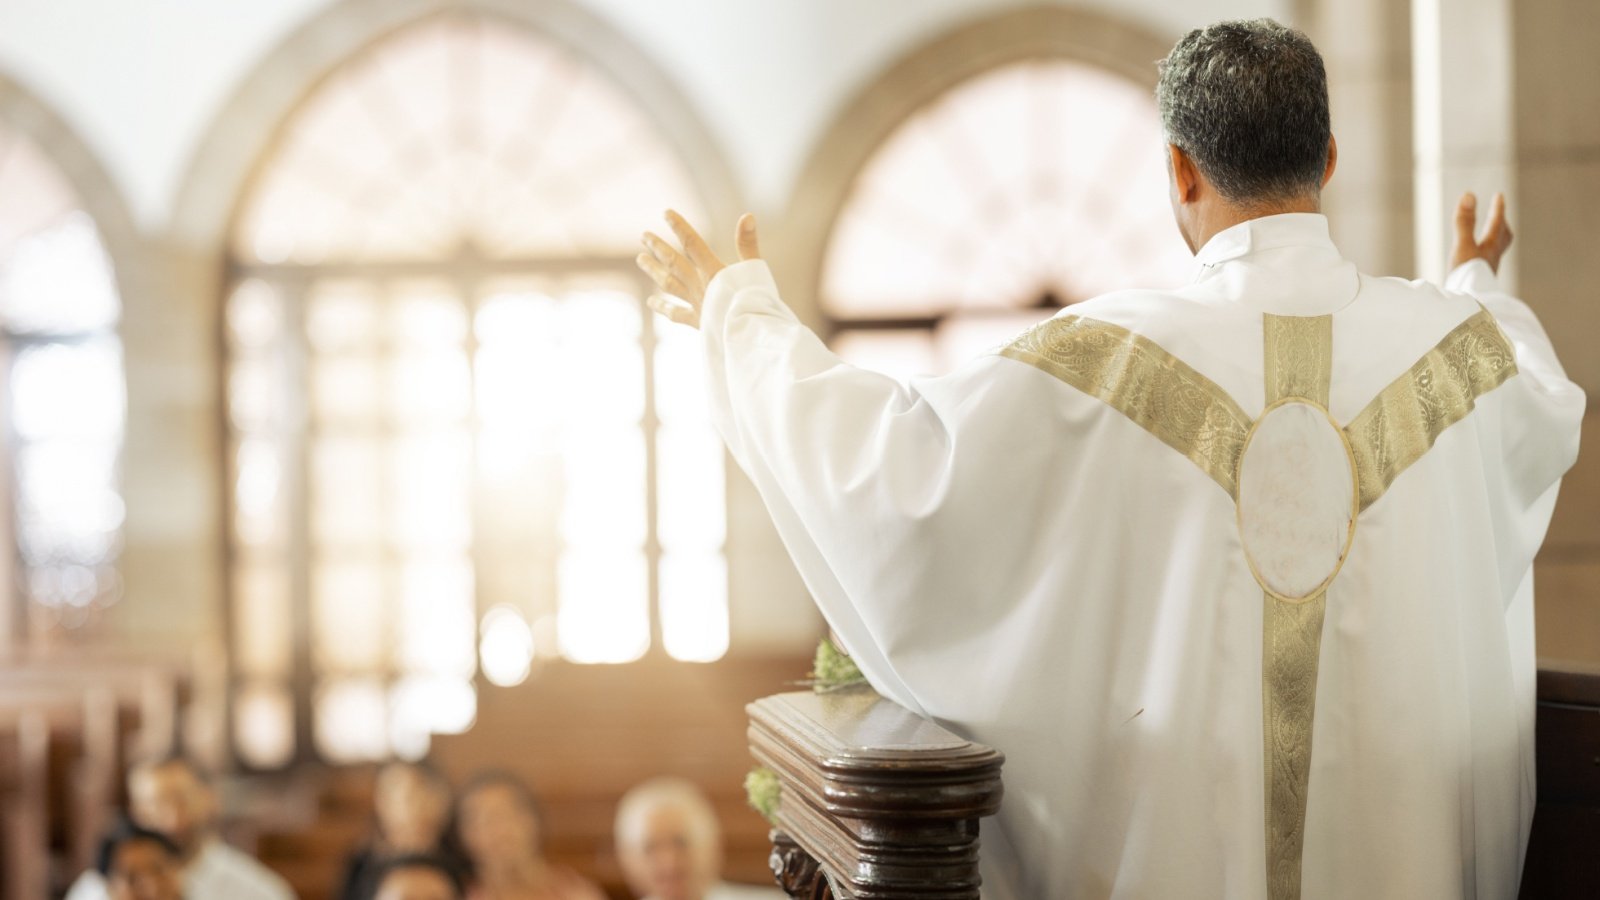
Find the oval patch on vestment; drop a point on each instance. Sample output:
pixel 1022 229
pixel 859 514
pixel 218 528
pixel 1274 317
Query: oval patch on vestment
pixel 1297 499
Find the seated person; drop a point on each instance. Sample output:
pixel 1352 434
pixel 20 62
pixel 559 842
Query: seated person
pixel 173 797
pixel 670 845
pixel 502 831
pixel 419 878
pixel 411 817
pixel 138 864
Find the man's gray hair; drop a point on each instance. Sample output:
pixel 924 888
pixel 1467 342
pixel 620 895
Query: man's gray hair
pixel 1248 102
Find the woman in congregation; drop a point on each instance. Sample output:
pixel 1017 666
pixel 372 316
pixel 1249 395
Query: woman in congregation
pixel 411 817
pixel 501 828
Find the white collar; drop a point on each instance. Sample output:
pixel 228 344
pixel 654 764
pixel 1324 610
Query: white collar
pixel 1267 233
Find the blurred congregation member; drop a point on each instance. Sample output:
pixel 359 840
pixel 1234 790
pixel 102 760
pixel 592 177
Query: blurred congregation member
pixel 173 797
pixel 139 864
pixel 420 878
pixel 501 828
pixel 411 818
pixel 670 845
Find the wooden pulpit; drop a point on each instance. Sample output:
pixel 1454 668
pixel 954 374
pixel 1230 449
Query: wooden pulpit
pixel 874 801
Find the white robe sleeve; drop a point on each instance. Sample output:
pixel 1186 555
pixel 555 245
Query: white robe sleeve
pixel 1539 423
pixel 897 503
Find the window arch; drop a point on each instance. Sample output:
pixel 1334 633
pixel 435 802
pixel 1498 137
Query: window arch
pixel 61 373
pixel 988 179
pixel 457 442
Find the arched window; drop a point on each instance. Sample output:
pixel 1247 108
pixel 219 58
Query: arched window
pixel 457 440
pixel 1032 179
pixel 64 399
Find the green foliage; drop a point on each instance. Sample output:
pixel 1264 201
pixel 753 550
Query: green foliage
pixel 832 670
pixel 761 789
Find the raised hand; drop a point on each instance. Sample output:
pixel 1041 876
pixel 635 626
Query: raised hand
pixel 1496 238
pixel 682 275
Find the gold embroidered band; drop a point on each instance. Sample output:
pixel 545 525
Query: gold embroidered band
pixel 1133 375
pixel 1298 364
pixel 1299 357
pixel 1404 420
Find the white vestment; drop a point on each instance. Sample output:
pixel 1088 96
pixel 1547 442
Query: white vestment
pixel 1043 550
pixel 218 872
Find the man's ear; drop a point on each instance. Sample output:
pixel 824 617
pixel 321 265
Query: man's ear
pixel 1185 176
pixel 1333 160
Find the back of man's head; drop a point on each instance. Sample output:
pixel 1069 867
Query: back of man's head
pixel 1248 102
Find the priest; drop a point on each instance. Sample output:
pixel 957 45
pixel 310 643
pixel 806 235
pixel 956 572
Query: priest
pixel 1237 575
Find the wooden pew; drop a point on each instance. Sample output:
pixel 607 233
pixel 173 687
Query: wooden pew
pixel 874 801
pixel 68 729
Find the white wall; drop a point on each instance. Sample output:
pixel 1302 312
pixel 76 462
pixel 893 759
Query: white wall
pixel 141 80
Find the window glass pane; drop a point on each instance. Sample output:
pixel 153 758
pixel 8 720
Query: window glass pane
pixel 604 501
pixel 505 646
pixel 604 614
pixel 255 394
pixel 681 376
pixel 68 508
pixel 430 386
pixel 691 508
pixel 58 280
pixel 258 502
pixel 429 487
pixel 423 705
pixel 68 391
pixel 351 718
pixel 601 359
pixel 255 315
pixel 438 617
pixel 426 315
pixel 351 628
pixel 263 724
pixel 342 317
pixel 347 390
pixel 694 606
pixel 262 627
pixel 348 505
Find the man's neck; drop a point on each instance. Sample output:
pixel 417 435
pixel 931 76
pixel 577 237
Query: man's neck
pixel 1219 217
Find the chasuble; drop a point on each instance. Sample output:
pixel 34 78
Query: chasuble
pixel 1238 575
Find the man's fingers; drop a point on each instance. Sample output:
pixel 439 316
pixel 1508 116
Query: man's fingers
pixel 669 256
pixel 1497 229
pixel 1466 218
pixel 745 238
pixel 664 277
pixel 693 244
pixel 680 313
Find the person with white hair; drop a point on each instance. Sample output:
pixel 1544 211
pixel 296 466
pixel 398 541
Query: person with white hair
pixel 670 844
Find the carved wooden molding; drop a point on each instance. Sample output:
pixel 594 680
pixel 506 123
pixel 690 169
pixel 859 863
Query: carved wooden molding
pixel 875 801
pixel 797 872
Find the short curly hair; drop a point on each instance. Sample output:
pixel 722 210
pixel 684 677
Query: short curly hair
pixel 1248 102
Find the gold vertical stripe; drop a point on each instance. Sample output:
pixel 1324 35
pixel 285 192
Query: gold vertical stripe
pixel 1135 376
pixel 1403 421
pixel 1292 647
pixel 1297 363
pixel 1299 357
